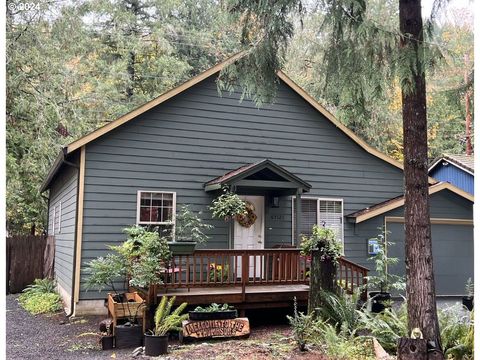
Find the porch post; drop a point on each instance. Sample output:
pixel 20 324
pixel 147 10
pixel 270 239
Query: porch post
pixel 298 215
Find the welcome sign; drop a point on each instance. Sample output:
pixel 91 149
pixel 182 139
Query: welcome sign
pixel 216 328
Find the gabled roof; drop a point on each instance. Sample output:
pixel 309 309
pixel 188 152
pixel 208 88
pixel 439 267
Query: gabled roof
pixel 188 84
pixel 463 162
pixel 265 170
pixel 399 201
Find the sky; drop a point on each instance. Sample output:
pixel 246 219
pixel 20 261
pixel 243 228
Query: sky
pixel 427 6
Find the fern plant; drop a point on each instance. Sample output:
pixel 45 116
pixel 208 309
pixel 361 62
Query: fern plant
pixel 166 321
pixel 301 326
pixel 341 311
pixel 41 286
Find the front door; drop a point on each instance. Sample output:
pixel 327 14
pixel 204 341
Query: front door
pixel 251 237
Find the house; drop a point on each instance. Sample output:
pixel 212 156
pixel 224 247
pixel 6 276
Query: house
pixel 455 169
pixel 292 160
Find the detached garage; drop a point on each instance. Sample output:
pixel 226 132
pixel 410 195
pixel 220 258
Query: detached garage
pixel 451 211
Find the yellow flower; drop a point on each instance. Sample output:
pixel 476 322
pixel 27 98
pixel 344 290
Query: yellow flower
pixel 219 267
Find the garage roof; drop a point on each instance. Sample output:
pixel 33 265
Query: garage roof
pixel 396 202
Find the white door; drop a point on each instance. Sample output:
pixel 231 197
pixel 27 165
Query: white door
pixel 251 237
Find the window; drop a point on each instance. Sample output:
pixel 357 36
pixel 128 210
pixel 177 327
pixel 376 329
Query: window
pixel 51 223
pixel 157 209
pixel 323 212
pixel 57 218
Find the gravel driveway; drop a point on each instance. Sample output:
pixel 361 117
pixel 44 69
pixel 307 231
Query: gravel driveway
pixel 53 337
pixel 57 337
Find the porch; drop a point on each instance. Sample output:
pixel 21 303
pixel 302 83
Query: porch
pixel 248 279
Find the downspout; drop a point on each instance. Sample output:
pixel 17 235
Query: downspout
pixel 72 298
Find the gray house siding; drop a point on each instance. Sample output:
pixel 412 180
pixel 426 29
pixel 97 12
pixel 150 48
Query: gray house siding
pixel 446 238
pixel 63 194
pixel 198 135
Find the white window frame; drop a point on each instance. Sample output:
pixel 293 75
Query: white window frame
pixel 55 229
pixel 318 215
pixel 174 209
pixel 53 221
pixel 59 230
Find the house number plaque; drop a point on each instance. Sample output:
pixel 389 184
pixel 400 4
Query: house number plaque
pixel 215 328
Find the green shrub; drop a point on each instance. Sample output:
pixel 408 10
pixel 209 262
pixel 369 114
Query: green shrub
pixel 339 310
pixel 39 303
pixel 387 326
pixel 41 286
pixel 302 326
pixel 456 330
pixel 341 344
pixel 40 297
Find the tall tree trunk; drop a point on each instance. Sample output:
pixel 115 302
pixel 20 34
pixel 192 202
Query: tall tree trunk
pixel 422 309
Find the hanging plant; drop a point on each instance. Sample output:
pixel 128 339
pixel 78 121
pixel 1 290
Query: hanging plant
pixel 249 217
pixel 227 206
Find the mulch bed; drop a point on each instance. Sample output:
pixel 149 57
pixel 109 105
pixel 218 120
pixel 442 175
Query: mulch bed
pixel 57 337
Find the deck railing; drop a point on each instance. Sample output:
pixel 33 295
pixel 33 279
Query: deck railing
pixel 243 268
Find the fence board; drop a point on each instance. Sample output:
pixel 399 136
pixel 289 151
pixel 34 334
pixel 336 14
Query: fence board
pixel 25 261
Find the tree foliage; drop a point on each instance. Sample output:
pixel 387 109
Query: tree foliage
pixel 74 66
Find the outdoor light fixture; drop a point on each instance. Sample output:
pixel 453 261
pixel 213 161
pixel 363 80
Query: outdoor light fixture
pixel 275 202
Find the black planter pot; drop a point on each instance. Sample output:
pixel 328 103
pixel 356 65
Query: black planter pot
pixel 182 247
pixel 107 342
pixel 379 300
pixel 156 345
pixel 217 315
pixel 128 336
pixel 467 301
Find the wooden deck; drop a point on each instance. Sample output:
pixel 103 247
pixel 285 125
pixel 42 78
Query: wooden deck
pixel 257 296
pixel 247 278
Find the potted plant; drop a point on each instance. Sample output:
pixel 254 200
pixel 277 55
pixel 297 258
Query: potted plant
pixel 107 338
pixel 228 206
pixel 324 250
pixel 213 312
pixel 383 280
pixel 189 231
pixel 141 259
pixel 156 342
pixel 148 257
pixel 467 300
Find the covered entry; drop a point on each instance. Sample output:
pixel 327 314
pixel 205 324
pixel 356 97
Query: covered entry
pixel 267 187
pixel 452 253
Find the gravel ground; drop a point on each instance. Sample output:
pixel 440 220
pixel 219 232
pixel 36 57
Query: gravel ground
pixel 57 337
pixel 53 337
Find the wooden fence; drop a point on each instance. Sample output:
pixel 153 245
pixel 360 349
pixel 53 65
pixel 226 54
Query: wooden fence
pixel 28 258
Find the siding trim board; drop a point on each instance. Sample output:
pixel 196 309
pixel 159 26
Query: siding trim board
pixel 444 221
pixel 366 214
pixel 79 232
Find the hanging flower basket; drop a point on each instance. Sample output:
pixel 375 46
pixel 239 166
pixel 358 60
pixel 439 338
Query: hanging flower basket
pixel 249 218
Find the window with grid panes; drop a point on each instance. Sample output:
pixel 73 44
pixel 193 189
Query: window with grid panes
pixel 156 209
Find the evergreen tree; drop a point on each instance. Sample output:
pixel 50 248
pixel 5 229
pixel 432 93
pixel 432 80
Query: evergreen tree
pixel 356 39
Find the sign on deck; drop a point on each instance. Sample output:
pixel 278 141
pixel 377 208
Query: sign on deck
pixel 215 328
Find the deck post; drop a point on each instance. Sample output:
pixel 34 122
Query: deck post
pixel 245 270
pixel 298 216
